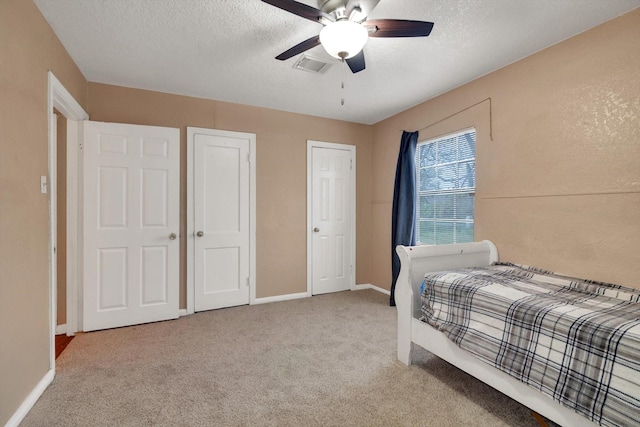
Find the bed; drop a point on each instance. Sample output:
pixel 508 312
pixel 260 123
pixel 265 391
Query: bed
pixel 426 328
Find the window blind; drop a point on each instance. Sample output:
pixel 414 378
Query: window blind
pixel 445 177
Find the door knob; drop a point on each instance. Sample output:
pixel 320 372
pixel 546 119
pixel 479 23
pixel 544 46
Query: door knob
pixel 200 233
pixel 172 236
pixel 316 230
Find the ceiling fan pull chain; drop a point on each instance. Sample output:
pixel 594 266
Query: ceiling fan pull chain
pixel 342 85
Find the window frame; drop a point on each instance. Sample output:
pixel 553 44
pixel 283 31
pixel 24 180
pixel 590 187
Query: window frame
pixel 470 191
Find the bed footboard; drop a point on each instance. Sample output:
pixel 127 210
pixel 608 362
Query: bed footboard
pixel 415 261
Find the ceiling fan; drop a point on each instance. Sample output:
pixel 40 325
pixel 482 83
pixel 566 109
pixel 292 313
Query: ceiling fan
pixel 346 28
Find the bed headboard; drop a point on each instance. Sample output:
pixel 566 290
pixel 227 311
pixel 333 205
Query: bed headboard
pixel 415 261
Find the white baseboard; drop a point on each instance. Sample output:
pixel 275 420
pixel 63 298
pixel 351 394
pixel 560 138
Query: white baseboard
pixel 288 297
pixel 31 400
pixel 374 287
pixel 277 298
pixel 182 312
pixel 61 329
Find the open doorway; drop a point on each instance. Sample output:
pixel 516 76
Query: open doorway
pixel 61 338
pixel 63 109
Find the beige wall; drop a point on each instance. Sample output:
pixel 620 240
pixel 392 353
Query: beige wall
pixel 28 49
pixel 281 141
pixel 558 187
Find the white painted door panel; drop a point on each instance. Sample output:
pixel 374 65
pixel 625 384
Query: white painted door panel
pixel 131 222
pixel 221 191
pixel 331 220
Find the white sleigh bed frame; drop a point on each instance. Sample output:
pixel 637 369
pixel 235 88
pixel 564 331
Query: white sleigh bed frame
pixel 418 260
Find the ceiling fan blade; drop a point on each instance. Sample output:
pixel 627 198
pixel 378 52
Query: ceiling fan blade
pixel 356 63
pixel 299 48
pixel 398 28
pixel 366 6
pixel 300 9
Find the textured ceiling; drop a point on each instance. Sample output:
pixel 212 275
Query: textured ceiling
pixel 225 49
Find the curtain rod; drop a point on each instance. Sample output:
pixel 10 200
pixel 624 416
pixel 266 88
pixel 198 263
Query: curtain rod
pixel 465 109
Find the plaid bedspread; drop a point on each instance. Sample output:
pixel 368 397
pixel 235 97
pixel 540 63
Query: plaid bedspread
pixel 577 341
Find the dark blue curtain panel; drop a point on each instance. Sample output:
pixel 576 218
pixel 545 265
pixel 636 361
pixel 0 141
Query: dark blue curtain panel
pixel 403 215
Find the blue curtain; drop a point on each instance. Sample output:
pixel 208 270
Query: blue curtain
pixel 404 207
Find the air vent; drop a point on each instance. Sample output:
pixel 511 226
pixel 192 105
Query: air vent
pixel 312 65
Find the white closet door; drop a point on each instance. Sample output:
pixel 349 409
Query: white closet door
pixel 131 199
pixel 221 198
pixel 331 220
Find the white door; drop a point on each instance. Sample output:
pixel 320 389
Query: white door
pixel 332 217
pixel 221 217
pixel 131 186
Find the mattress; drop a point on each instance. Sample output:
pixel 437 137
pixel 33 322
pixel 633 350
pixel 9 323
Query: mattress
pixel 578 341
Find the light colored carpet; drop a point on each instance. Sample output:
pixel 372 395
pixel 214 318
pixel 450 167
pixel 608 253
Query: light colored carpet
pixel 328 360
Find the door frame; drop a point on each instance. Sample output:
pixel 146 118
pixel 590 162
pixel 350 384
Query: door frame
pixel 352 152
pixel 58 97
pixel 190 237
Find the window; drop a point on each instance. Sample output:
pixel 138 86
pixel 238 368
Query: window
pixel 446 182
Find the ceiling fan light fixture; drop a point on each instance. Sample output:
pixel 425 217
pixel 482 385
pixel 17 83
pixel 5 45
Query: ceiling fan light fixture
pixel 343 39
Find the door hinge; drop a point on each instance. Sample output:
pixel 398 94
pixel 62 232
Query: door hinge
pixel 248 281
pixel 351 164
pixel 43 184
pixel 249 157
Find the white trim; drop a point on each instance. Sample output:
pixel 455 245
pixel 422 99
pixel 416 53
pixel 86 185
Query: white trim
pixel 31 400
pixel 53 233
pixel 182 312
pixel 61 329
pixel 447 135
pixel 61 99
pixel 352 149
pixel 300 295
pixel 191 131
pixel 370 286
pixel 278 298
pixel 58 97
